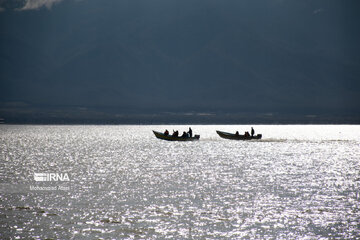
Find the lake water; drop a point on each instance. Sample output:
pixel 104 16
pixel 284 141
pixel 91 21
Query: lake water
pixel 298 182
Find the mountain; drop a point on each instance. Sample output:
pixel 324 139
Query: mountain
pixel 124 56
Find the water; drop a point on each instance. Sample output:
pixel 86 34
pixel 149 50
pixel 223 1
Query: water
pixel 297 182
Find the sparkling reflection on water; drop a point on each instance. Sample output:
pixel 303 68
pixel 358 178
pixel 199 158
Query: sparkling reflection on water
pixel 297 182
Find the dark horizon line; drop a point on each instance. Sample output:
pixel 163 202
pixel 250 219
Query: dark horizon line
pixel 280 122
pixel 164 124
pixel 31 116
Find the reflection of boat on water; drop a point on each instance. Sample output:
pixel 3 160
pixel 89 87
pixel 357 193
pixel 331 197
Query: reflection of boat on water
pixel 173 138
pixel 237 136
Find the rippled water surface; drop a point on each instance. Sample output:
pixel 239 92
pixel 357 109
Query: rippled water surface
pixel 297 182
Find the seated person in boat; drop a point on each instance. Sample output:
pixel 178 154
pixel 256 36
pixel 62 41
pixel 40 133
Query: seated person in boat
pixel 237 133
pixel 166 133
pixel 175 133
pixel 247 134
pixel 184 134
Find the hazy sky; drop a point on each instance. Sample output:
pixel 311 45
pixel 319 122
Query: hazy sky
pixel 202 56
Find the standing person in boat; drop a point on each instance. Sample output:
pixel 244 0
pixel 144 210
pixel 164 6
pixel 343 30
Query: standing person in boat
pixel 190 132
pixel 252 132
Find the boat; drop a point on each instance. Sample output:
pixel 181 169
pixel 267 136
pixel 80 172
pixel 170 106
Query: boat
pixel 169 137
pixel 237 136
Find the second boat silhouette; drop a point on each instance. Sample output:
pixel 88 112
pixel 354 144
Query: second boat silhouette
pixel 235 136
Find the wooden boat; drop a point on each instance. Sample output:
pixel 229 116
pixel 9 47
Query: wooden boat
pixel 237 137
pixel 173 138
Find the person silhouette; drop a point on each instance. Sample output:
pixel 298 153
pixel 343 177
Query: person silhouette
pixel 252 132
pixel 175 133
pixel 190 132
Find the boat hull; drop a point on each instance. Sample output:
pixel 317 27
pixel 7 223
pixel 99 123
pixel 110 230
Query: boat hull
pixel 162 136
pixel 237 137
